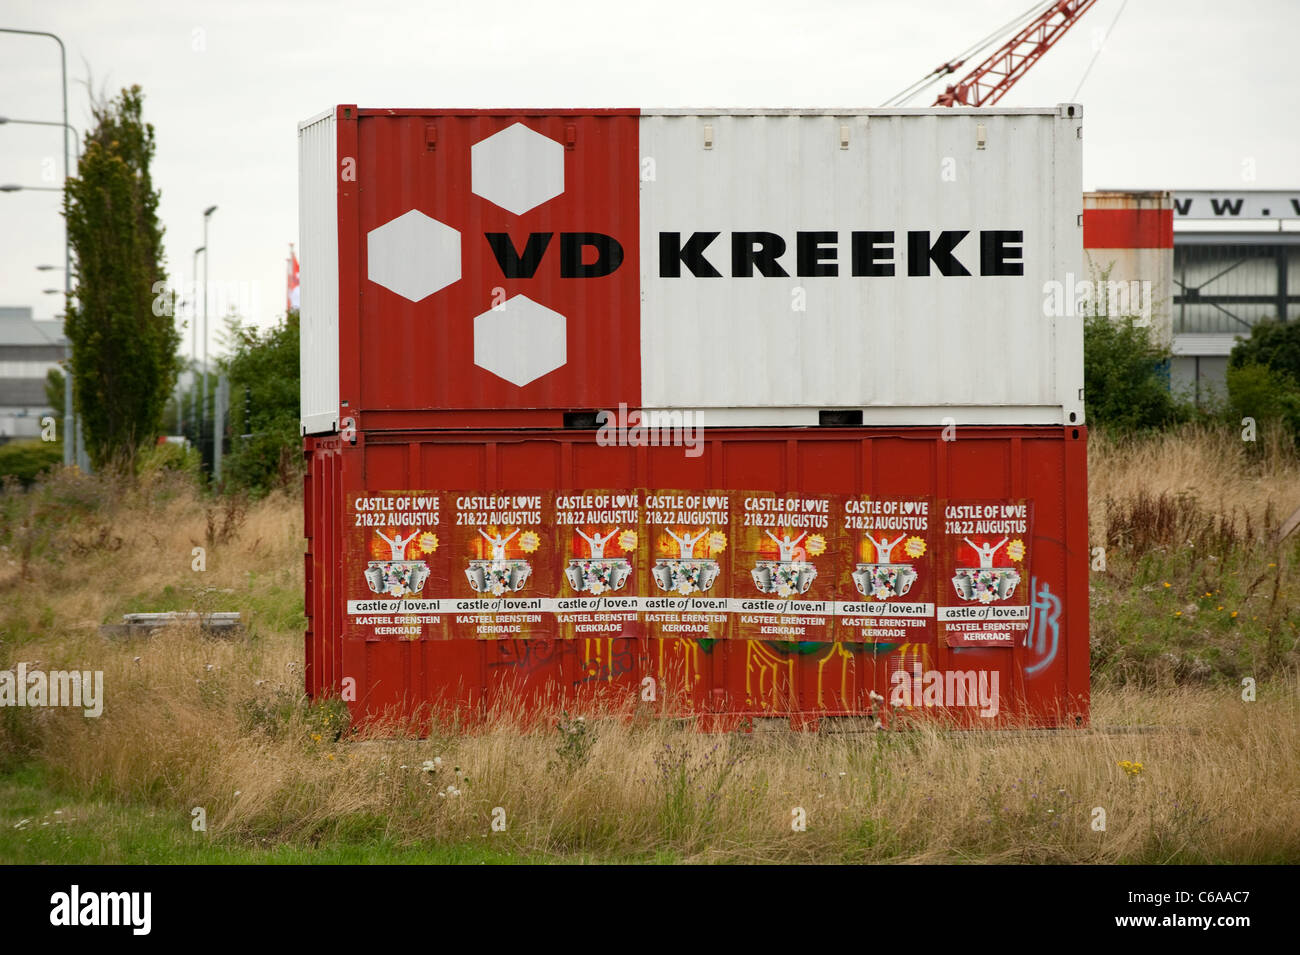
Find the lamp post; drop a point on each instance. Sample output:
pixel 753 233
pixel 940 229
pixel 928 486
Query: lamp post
pixel 76 137
pixel 67 249
pixel 203 414
pixel 194 323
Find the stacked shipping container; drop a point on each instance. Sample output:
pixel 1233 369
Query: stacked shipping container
pixel 860 309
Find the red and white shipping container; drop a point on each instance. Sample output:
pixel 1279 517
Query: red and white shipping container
pixel 860 466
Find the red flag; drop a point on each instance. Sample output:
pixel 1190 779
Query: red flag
pixel 291 295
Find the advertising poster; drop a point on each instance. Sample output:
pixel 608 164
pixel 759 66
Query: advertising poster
pixel 396 566
pixel 688 539
pixel 986 565
pixel 786 558
pixel 503 564
pixel 887 586
pixel 602 552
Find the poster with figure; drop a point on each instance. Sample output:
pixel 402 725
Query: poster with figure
pixel 887 585
pixel 503 564
pixel 396 566
pixel 986 561
pixel 787 556
pixel 602 552
pixel 688 536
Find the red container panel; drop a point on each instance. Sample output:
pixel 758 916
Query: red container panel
pixel 424 360
pixel 1040 679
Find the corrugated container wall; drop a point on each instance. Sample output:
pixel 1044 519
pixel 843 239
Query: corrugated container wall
pixel 765 265
pixel 866 496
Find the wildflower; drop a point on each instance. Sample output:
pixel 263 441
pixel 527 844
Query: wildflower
pixel 1166 584
pixel 876 697
pixel 315 737
pixel 330 756
pixel 428 766
pixel 1178 613
pixel 1220 607
pixel 237 792
pixel 1234 613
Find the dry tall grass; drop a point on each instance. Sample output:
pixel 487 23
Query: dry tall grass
pixel 195 721
pixel 1211 466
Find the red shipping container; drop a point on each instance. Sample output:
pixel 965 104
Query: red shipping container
pixel 476 283
pixel 1040 677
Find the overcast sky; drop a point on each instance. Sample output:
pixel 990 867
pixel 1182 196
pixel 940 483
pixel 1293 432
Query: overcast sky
pixel 1184 93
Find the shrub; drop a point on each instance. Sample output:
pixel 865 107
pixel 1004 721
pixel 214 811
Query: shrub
pixel 1125 377
pixel 1263 393
pixel 1273 344
pixel 265 447
pixel 25 460
pixel 168 457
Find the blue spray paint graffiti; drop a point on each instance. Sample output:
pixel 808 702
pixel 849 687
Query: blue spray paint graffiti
pixel 1044 634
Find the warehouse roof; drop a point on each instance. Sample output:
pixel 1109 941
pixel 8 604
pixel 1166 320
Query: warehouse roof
pixel 17 327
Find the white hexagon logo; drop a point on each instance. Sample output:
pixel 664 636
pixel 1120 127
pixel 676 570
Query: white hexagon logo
pixel 517 169
pixel 520 340
pixel 413 255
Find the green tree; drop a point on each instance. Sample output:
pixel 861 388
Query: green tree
pixel 124 343
pixel 54 394
pixel 1124 376
pixel 265 444
pixel 1274 345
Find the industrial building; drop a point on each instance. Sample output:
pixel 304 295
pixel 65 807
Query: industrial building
pixel 28 350
pixel 1214 263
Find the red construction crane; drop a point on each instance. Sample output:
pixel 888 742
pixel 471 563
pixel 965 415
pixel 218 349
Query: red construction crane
pixel 1036 31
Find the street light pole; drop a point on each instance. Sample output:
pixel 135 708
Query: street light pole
pixel 207 214
pixel 194 326
pixel 7 120
pixel 68 429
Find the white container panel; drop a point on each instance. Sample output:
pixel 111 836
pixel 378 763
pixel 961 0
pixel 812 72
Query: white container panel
pixel 318 238
pixel 862 341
